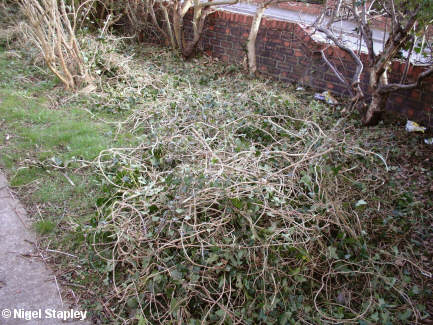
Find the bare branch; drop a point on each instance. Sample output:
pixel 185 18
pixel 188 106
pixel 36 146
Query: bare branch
pixel 359 65
pixel 218 3
pixel 365 30
pixel 386 89
pixel 336 72
pixel 335 13
pixel 409 56
pixel 50 29
pixel 356 80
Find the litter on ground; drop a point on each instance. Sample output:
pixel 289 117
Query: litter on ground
pixel 326 97
pixel 414 127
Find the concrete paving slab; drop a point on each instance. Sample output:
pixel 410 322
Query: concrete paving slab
pixel 27 285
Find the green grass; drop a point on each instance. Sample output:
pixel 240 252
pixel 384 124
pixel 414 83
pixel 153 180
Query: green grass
pixel 38 139
pixel 44 227
pixel 48 131
pixel 40 136
pixel 33 129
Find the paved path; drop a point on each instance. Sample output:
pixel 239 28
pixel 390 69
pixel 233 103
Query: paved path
pixel 25 282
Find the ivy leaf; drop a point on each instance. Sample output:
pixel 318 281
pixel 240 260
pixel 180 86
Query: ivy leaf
pixel 332 252
pixel 176 275
pixel 405 315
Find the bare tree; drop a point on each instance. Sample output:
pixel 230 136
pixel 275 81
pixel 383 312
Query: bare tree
pixel 405 20
pixel 255 26
pixel 50 29
pixel 171 26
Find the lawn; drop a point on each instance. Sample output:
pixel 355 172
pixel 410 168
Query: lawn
pixel 186 192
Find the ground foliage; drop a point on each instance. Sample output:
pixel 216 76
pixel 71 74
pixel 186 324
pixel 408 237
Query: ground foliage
pixel 245 204
pixel 238 201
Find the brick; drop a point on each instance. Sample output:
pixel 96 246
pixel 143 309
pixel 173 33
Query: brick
pixel 410 112
pixel 277 55
pixel 318 83
pixel 266 53
pixel 274 71
pixel 224 37
pixel 275 42
pixel 268 47
pixel 284 67
pixel 291 60
pixel 286 36
pixel 298 30
pixel 296 44
pixel 239 45
pixel 305 60
pixel 266 61
pixel 219 29
pixel 299 69
pixel 217 51
pixel 237 54
pixel 298 53
pixel 214 42
pixel 267 23
pixel 332 78
pixel 227 45
pixel 283 25
pixel 289 52
pixel 398 100
pixel 210 34
pixel 416 94
pixel 273 34
pixel 236 31
pixel 341 90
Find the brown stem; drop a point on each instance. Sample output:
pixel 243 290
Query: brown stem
pixel 409 56
pixel 386 89
pixel 356 80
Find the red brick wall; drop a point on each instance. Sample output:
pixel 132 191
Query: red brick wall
pixel 316 9
pixel 285 51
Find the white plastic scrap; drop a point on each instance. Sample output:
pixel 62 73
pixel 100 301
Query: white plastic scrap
pixel 414 127
pixel 326 97
pixel 428 141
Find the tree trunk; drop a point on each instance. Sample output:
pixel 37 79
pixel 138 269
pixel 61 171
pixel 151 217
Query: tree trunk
pixel 178 28
pixel 198 25
pixel 378 79
pixel 375 110
pixel 251 45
